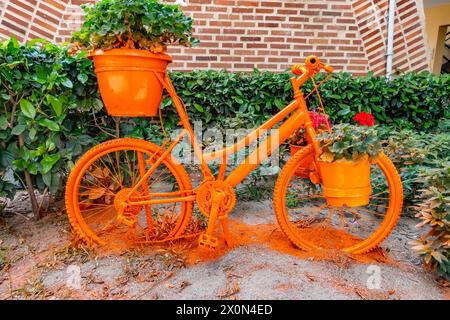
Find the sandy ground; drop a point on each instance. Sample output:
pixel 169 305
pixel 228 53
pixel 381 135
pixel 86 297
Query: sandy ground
pixel 38 262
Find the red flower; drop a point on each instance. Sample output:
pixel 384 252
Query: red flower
pixel 319 120
pixel 364 119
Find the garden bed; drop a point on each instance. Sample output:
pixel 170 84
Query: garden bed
pixel 37 259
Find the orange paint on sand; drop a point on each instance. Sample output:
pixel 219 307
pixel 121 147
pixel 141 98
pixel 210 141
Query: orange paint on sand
pixel 267 235
pixel 270 235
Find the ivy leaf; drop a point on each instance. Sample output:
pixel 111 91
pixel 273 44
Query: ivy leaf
pixel 50 145
pixel 67 83
pixel 17 130
pixel 3 123
pixel 83 78
pixel 279 103
pixel 239 100
pixel 27 108
pixel 32 133
pixel 343 112
pixel 51 125
pixel 199 107
pixel 49 161
pixel 56 104
pixel 335 96
pixel 47 178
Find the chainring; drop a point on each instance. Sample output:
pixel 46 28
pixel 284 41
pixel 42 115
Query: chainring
pixel 204 198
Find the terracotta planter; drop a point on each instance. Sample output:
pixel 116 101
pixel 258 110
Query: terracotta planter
pixel 127 81
pixel 346 183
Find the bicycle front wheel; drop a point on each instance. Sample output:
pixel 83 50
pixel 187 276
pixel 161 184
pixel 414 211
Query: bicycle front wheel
pixel 108 172
pixel 310 223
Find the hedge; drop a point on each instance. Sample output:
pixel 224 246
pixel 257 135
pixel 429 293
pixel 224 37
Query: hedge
pixel 412 100
pixel 50 110
pixel 45 99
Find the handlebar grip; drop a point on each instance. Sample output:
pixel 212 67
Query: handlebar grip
pixel 327 68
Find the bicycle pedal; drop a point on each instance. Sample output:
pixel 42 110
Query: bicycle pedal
pixel 207 241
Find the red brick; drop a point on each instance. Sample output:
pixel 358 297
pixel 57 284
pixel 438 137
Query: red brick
pixel 254 59
pixel 287 11
pixel 242 10
pixel 248 3
pixel 256 45
pixel 231 58
pixel 271 4
pixel 232 45
pixel 250 39
pixel 317 6
pixel 238 34
pixel 12 26
pixel 16 20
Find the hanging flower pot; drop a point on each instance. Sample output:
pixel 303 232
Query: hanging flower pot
pixel 346 183
pixel 128 40
pixel 128 82
pixel 344 164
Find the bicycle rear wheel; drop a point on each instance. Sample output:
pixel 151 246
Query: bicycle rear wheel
pixel 107 173
pixel 310 223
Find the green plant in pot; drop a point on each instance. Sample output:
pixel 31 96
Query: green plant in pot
pixel 127 39
pixel 344 163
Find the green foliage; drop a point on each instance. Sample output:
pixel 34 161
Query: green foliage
pixel 44 124
pixel 137 24
pixel 413 153
pixel 215 97
pixel 414 101
pixel 434 245
pixel 349 142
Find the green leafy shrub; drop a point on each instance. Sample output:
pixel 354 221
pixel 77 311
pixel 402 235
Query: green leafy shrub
pixel 45 123
pixel 136 24
pixel 434 245
pixel 414 152
pixel 349 142
pixel 414 101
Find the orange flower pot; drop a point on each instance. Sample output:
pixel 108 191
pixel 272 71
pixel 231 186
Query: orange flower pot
pixel 127 81
pixel 346 183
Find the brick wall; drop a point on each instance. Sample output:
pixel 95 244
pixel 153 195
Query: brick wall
pixel 269 35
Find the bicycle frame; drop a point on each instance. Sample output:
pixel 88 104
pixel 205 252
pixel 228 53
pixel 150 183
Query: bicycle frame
pixel 296 113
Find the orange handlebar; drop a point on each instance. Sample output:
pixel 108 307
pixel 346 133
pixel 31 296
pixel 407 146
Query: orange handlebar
pixel 312 66
pixel 327 68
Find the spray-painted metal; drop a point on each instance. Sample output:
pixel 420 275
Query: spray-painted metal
pixel 136 189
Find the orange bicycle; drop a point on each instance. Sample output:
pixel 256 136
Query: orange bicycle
pixel 131 187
